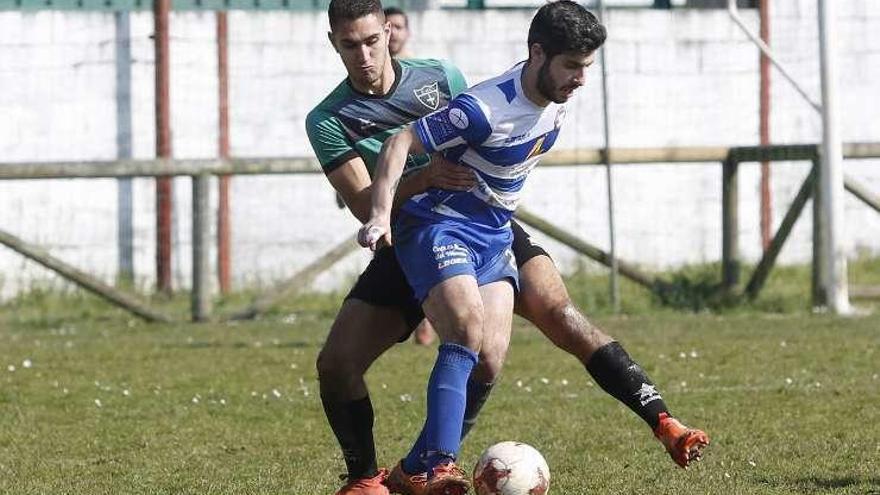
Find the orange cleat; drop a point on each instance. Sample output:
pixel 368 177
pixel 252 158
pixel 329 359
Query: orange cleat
pixel 683 444
pixel 366 486
pixel 448 479
pixel 406 484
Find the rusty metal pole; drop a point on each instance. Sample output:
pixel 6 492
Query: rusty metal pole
pixel 766 198
pixel 223 224
pixel 164 205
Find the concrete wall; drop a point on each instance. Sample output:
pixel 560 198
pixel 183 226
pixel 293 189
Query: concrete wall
pixel 676 78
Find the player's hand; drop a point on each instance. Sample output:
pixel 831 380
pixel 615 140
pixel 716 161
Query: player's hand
pixel 375 234
pixel 443 174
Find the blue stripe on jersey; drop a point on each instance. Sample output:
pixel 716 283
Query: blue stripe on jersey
pixel 550 139
pixel 475 208
pixel 502 185
pixel 442 204
pixel 508 87
pixel 512 155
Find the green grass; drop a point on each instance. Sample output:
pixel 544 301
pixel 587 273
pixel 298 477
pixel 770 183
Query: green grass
pixel 112 405
pixel 695 288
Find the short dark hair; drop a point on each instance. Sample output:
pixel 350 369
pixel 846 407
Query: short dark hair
pixel 566 26
pixel 389 11
pixel 350 10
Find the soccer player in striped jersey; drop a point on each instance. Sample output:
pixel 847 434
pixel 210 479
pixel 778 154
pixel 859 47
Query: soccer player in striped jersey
pixel 378 98
pixel 455 246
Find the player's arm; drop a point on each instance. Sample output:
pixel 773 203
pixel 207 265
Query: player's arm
pixel 389 169
pixel 352 181
pixel 440 173
pixel 344 167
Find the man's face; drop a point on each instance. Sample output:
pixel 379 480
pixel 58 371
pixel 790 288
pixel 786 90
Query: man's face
pixel 399 33
pixel 561 75
pixel 363 46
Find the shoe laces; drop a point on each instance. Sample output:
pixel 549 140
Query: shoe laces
pixel 418 478
pixel 449 469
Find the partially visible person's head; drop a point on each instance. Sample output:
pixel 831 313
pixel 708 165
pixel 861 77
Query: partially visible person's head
pixel 563 39
pixel 359 34
pixel 399 23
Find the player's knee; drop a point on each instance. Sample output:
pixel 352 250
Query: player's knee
pixel 335 368
pixel 465 326
pixel 324 364
pixel 555 318
pixel 491 363
pixel 565 315
pixel 541 306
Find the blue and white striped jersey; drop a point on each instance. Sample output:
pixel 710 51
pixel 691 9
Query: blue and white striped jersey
pixel 494 129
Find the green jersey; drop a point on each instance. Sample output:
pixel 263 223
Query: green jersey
pixel 348 123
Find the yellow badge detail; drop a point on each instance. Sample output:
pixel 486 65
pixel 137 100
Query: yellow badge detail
pixel 536 150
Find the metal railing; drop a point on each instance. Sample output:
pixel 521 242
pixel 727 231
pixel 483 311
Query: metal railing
pixel 201 170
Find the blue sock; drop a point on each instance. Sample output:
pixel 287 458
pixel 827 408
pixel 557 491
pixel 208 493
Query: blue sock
pixel 477 393
pixel 441 435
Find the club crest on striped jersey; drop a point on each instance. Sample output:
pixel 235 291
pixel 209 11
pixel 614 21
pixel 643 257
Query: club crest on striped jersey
pixel 429 95
pixel 458 118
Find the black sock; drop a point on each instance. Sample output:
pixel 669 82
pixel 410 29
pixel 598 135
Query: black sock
pixel 617 374
pixel 352 422
pixel 477 393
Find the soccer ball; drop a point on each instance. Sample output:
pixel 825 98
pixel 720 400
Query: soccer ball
pixel 511 468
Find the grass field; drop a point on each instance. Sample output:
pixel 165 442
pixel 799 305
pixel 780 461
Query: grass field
pixel 94 402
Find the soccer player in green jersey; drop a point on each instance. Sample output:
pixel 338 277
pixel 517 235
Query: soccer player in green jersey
pixel 379 97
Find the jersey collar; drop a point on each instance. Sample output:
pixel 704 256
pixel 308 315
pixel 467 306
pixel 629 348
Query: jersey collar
pixel 398 72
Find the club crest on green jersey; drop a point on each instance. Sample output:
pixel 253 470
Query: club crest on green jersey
pixel 429 95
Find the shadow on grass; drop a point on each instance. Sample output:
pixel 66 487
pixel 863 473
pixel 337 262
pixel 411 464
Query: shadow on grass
pixel 829 482
pixel 809 484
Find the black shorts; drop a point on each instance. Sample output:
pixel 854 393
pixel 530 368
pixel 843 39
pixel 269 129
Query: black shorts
pixel 384 284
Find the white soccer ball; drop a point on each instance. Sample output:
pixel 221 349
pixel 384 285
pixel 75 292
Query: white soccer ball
pixel 511 468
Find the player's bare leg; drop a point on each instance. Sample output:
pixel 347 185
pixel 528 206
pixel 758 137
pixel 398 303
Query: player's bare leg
pixel 455 308
pixel 359 335
pixel 486 372
pixel 497 321
pixel 493 350
pixel 463 314
pixel 544 300
pixel 424 333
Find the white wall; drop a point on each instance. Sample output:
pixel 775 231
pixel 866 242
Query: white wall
pixel 676 78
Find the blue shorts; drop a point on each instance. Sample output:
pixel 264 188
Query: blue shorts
pixel 431 251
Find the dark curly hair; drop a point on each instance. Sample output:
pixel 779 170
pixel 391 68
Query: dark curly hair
pixel 565 26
